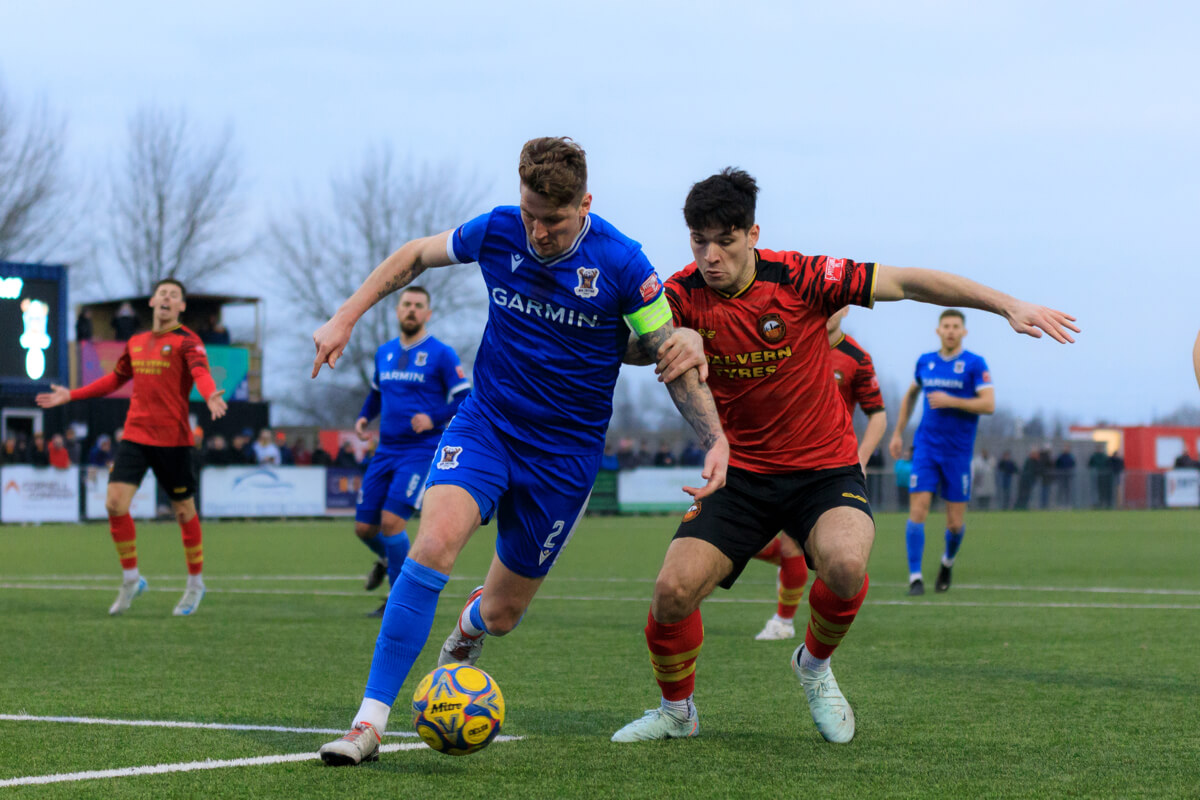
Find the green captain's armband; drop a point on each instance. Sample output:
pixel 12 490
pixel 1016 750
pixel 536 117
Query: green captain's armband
pixel 651 317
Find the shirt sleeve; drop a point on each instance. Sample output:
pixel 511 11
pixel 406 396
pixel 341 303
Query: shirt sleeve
pixel 196 359
pixel 466 241
pixel 642 302
pixel 866 387
pixel 831 283
pixel 454 378
pixel 981 374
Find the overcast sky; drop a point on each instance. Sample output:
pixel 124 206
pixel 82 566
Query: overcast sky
pixel 1048 149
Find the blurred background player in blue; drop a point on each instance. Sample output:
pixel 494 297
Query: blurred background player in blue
pixel 564 288
pixel 957 388
pixel 417 387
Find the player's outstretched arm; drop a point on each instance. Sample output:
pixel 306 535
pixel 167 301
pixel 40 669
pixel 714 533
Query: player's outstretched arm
pixel 695 403
pixel 57 396
pixel 216 404
pixel 896 445
pixel 395 272
pixel 947 289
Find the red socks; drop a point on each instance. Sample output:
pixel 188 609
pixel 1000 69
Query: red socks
pixel 124 536
pixel 673 652
pixel 793 575
pixel 192 550
pixel 831 617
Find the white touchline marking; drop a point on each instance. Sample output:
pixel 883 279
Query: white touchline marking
pixel 19 581
pixel 168 723
pixel 609 599
pixel 190 766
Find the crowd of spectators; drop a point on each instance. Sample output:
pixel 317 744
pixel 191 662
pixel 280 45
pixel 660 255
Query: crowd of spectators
pixel 621 454
pixel 272 447
pixel 60 450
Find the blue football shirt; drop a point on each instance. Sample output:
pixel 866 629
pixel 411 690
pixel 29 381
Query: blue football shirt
pixel 418 379
pixel 949 431
pixel 554 339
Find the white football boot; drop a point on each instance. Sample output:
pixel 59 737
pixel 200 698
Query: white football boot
pixel 459 648
pixel 125 595
pixel 777 629
pixel 830 710
pixel 359 745
pixel 658 724
pixel 190 601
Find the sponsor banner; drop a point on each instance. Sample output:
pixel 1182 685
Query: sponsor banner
pixel 230 367
pixel 1183 488
pixel 656 489
pixel 262 491
pixel 97 359
pixel 39 494
pixel 95 489
pixel 342 486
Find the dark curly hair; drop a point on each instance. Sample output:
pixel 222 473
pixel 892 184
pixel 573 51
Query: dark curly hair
pixel 725 200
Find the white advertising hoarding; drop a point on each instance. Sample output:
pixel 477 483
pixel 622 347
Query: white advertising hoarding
pixel 39 494
pixel 656 489
pixel 1183 488
pixel 262 491
pixel 95 489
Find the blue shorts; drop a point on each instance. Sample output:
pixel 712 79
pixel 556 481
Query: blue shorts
pixel 948 476
pixel 537 497
pixel 394 482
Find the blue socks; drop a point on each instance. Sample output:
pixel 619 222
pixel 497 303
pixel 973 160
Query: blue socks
pixel 914 537
pixel 406 625
pixel 375 545
pixel 397 550
pixel 953 542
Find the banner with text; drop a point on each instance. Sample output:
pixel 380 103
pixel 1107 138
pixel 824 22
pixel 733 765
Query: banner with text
pixel 341 489
pixel 1183 488
pixel 656 489
pixel 262 491
pixel 39 494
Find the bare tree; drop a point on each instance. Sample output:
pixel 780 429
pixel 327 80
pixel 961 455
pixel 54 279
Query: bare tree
pixel 175 203
pixel 36 205
pixel 321 255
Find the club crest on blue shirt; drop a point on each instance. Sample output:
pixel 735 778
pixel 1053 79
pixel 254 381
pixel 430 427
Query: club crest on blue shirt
pixel 449 459
pixel 422 357
pixel 587 282
pixel 960 367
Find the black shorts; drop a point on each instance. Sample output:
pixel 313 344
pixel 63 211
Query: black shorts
pixel 740 518
pixel 172 467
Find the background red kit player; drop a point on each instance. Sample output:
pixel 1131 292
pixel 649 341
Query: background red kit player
pixel 163 364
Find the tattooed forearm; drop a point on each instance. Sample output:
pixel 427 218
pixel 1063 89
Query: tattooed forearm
pixel 692 398
pixel 403 277
pixel 636 354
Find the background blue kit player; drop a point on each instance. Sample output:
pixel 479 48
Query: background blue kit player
pixel 956 388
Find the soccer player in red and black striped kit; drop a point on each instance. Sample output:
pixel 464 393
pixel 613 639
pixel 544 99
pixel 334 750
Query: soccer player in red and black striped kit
pixel 854 374
pixel 163 363
pixel 793 462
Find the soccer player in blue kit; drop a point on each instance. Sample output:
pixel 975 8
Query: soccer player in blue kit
pixel 564 289
pixel 417 386
pixel 957 388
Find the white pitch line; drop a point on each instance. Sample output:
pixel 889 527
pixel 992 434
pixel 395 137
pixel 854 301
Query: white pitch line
pixel 12 581
pixel 609 599
pixel 168 723
pixel 188 766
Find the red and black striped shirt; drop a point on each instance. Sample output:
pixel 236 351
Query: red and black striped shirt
pixel 769 357
pixel 854 374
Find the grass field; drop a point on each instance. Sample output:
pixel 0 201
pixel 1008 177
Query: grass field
pixel 1065 662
